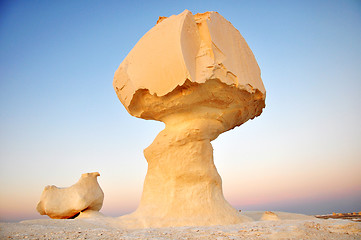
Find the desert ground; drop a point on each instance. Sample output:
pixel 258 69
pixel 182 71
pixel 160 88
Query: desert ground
pixel 286 226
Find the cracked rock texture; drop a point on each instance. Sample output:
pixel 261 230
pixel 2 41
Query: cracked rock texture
pixel 69 202
pixel 196 74
pixel 187 47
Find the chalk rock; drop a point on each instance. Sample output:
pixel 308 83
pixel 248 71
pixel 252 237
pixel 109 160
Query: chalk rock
pixel 86 194
pixel 196 74
pixel 269 216
pixel 180 51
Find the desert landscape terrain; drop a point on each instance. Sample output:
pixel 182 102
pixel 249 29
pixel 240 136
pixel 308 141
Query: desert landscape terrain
pixel 287 226
pixel 194 73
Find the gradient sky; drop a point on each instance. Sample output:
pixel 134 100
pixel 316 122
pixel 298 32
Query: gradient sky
pixel 60 116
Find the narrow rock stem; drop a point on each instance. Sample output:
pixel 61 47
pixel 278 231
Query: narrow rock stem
pixel 182 186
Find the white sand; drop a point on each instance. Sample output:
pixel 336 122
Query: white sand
pixel 291 226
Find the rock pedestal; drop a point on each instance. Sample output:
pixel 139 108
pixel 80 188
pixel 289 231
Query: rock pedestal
pixel 182 186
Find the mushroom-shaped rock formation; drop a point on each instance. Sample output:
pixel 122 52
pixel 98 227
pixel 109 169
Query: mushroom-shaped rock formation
pixel 86 194
pixel 196 74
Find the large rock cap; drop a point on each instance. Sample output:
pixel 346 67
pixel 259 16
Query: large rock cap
pixel 186 48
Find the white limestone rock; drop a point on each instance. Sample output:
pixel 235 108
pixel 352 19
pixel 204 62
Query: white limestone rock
pixel 187 47
pixel 196 74
pixel 269 216
pixel 86 194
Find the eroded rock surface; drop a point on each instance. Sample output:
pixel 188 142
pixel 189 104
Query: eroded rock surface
pixel 196 74
pixel 186 47
pixel 269 216
pixel 86 194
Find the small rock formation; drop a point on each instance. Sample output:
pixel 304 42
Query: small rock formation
pixel 196 74
pixel 86 194
pixel 269 216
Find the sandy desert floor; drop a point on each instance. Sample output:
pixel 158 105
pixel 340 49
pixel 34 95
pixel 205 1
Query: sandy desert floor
pixel 292 226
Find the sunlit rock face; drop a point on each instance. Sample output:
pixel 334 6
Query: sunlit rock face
pixel 196 74
pixel 86 194
pixel 269 216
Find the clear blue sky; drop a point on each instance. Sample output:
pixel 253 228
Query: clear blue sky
pixel 60 117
